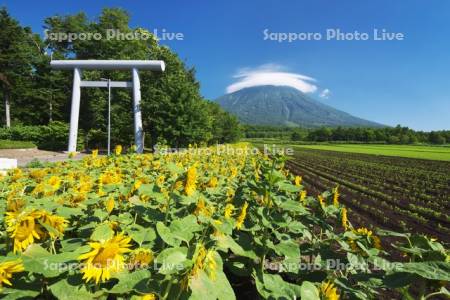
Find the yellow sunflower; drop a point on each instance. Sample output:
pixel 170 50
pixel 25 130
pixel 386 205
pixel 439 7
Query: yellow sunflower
pixel 241 218
pixel 105 258
pixel 212 183
pixel 229 208
pixel 58 223
pixel 160 180
pixel 24 228
pixel 118 149
pixel 110 204
pixel 344 219
pixel 204 261
pixel 141 258
pixel 191 181
pixel 302 195
pixel 328 291
pixel 137 184
pixel 321 200
pixel 367 234
pixel 203 209
pixel 7 269
pixel 336 197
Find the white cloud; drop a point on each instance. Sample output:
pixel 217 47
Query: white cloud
pixel 271 74
pixel 325 94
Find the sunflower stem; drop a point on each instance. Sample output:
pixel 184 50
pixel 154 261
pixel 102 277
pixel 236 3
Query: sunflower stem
pixel 169 286
pixel 167 210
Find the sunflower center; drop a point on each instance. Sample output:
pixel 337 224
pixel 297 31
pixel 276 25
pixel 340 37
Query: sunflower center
pixel 106 255
pixel 25 230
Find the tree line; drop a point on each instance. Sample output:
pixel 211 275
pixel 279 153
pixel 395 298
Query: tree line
pixel 389 135
pixel 173 111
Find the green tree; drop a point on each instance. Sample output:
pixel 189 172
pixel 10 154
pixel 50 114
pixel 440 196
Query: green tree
pixel 225 127
pixel 436 138
pixel 172 108
pixel 18 49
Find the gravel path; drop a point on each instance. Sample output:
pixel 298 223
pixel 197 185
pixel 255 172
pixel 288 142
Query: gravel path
pixel 24 156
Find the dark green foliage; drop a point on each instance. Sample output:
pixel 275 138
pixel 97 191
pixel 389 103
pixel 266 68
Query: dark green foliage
pixel 266 131
pixel 173 111
pixel 53 136
pixel 390 135
pixel 436 137
pixel 20 53
pixel 225 126
pixel 8 144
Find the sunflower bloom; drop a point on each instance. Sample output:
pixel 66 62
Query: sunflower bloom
pixel 211 265
pixel 321 200
pixel 376 242
pixel 203 209
pixel 328 291
pixel 302 195
pixel 256 173
pixel 137 184
pixel 368 235
pixel 94 153
pixel 178 185
pixel 118 149
pixel 240 220
pixel 23 228
pixel 229 208
pixel 336 197
pixel 7 269
pixel 38 174
pixel 110 204
pixel 199 260
pixel 105 258
pixel 160 180
pixel 234 172
pixel 141 258
pixel 56 222
pixel 298 180
pixel 16 174
pixel 148 297
pixel 110 177
pixel 204 261
pixel 344 219
pixel 191 181
pixel 363 231
pixel 212 183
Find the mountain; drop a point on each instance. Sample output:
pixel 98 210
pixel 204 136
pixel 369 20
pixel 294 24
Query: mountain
pixel 283 105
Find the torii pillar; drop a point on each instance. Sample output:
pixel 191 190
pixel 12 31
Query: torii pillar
pixel 133 65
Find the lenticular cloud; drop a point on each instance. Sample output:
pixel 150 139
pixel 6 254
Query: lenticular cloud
pixel 271 75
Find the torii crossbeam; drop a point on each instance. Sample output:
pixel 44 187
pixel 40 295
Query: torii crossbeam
pixel 134 65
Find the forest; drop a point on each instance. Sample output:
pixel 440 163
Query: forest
pixel 174 111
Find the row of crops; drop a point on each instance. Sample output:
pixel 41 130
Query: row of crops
pixel 398 193
pixel 223 222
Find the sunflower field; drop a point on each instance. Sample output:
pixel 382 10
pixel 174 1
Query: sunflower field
pixel 223 222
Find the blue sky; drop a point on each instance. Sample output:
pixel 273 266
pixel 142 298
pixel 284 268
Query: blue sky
pixel 392 82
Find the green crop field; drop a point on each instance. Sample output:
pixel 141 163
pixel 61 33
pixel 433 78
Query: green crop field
pixel 387 185
pixel 408 151
pixel 421 152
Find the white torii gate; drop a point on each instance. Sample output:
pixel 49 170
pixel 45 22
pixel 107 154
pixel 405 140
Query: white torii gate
pixel 134 65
